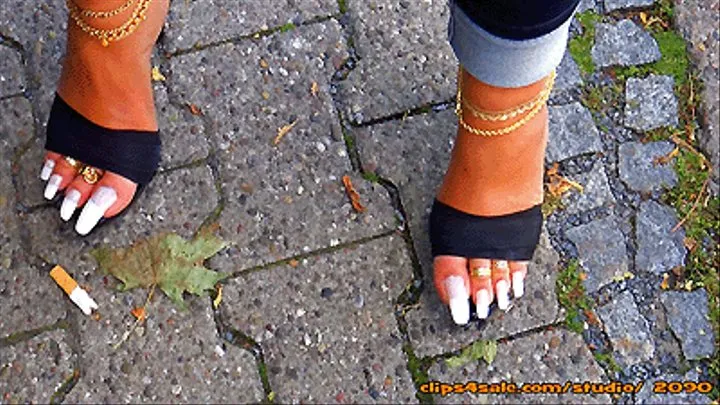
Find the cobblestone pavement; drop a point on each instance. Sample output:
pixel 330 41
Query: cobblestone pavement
pixel 324 304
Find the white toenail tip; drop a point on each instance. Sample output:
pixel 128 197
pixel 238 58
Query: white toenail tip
pixel 518 284
pixel 460 310
pixel 483 304
pixel 52 186
pixel 69 204
pixel 47 170
pixel 501 287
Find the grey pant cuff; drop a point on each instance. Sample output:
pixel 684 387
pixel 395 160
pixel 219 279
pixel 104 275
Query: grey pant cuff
pixel 503 62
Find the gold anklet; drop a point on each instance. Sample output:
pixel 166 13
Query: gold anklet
pixel 535 106
pixel 105 14
pixel 111 35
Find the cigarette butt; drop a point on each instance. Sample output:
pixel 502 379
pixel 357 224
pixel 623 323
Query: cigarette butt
pixel 79 296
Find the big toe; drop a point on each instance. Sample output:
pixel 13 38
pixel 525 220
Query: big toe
pixel 453 286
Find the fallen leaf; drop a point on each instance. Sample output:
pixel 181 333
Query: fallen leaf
pixel 157 76
pixel 293 263
pixel 558 185
pixel 314 88
pixel 482 349
pixel 283 131
pixel 167 260
pixel 353 194
pixel 195 110
pixel 664 285
pixel 265 95
pixel 264 64
pixel 690 243
pixel 218 296
pixel 139 313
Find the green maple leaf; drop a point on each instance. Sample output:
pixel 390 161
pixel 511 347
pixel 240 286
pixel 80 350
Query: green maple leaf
pixel 167 260
pixel 482 349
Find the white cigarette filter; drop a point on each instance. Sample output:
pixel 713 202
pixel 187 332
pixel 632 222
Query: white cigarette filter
pixel 79 296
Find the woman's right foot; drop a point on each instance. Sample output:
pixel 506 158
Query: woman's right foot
pixel 491 176
pixel 111 87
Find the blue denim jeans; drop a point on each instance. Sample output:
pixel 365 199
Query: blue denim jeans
pixel 508 44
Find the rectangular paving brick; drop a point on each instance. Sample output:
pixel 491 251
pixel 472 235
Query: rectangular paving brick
pixel 327 324
pixel 287 198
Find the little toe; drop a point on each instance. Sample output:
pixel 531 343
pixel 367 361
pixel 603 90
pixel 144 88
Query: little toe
pixel 518 272
pixel 501 281
pixel 453 286
pixel 481 285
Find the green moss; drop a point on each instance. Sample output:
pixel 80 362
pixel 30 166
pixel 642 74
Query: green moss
pixel 551 204
pixel 581 45
pixel 673 62
pixel 286 27
pixel 607 361
pixel 371 177
pixel 600 98
pixel 342 6
pixel 571 296
pixel 418 371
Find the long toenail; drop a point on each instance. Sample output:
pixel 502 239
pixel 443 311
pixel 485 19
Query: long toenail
pixel 458 297
pixel 52 186
pixel 483 304
pixel 72 197
pixel 518 284
pixel 95 208
pixel 47 170
pixel 501 287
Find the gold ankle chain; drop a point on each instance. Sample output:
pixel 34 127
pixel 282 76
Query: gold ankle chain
pixel 110 35
pixel 532 108
pixel 106 14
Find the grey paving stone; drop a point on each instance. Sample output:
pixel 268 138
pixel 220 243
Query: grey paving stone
pixel 650 103
pixel 648 396
pixel 639 167
pixel 659 249
pixel 200 22
pixel 30 299
pixel 627 330
pixel 39 26
pixel 602 251
pixel 174 357
pixel 286 199
pixel 689 319
pixel 34 369
pixel 182 133
pixel 405 59
pixel 612 5
pixel 556 356
pixel 624 43
pixel 178 201
pixel 327 325
pixel 572 132
pixel 596 191
pixel 586 5
pixel 413 154
pixel 12 80
pixel 568 76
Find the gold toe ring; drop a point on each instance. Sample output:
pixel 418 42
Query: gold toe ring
pixel 90 175
pixel 480 272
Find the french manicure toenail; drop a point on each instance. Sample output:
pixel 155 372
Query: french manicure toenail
pixel 69 204
pixel 483 304
pixel 52 186
pixel 47 170
pixel 501 287
pixel 518 284
pixel 458 299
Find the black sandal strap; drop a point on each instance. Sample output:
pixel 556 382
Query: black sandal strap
pixel 134 155
pixel 510 237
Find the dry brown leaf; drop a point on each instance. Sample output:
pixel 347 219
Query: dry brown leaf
pixel 353 194
pixel 553 170
pixel 661 160
pixel 265 95
pixel 583 276
pixel 218 296
pixel 157 76
pixel 314 88
pixel 195 110
pixel 690 243
pixel 139 313
pixel 293 263
pixel 665 283
pixel 284 131
pixel 264 64
pixel 559 185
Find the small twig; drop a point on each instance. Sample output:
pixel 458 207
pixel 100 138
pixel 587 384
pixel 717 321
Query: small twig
pixel 137 322
pixel 694 206
pixel 684 144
